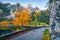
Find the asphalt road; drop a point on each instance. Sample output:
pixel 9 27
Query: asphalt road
pixel 35 34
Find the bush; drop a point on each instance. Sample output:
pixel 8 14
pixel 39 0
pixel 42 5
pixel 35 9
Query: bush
pixel 4 31
pixel 43 24
pixel 35 23
pixel 46 35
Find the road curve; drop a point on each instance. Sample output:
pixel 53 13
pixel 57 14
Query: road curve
pixel 35 34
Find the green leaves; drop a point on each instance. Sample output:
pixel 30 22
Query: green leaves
pixel 40 17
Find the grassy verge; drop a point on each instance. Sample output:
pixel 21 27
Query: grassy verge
pixel 39 23
pixel 46 35
pixel 17 28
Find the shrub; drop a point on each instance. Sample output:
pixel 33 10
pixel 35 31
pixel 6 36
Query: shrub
pixel 43 24
pixel 46 35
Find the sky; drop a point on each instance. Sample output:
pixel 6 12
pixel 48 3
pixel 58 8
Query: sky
pixel 41 4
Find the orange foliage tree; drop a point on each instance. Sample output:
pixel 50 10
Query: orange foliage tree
pixel 22 18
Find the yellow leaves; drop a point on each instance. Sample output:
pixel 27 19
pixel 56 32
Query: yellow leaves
pixel 22 17
pixel 4 24
pixel 16 21
pixel 46 35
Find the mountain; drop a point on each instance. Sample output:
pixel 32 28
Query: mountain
pixel 36 9
pixel 7 5
pixel 5 10
pixel 30 7
pixel 16 7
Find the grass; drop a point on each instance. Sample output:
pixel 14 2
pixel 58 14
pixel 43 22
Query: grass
pixel 46 35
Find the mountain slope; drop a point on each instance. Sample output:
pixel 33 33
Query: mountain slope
pixel 5 10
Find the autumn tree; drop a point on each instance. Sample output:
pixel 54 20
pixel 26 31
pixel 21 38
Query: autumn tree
pixel 22 18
